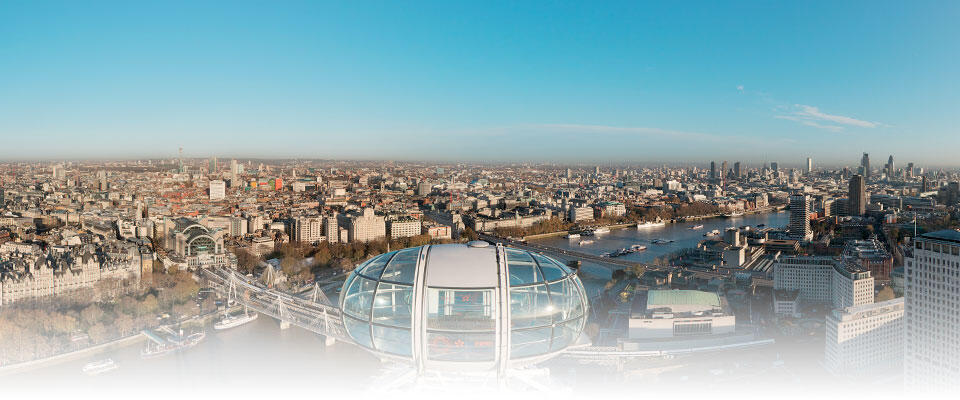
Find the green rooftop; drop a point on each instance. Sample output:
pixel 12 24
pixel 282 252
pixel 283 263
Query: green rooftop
pixel 663 298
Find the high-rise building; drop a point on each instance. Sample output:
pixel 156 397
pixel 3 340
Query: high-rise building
pixel 218 190
pixel 865 340
pixel 890 168
pixel 799 227
pixel 865 164
pixel 723 172
pixel 775 167
pixel 932 315
pixel 809 165
pixel 857 196
pixel 736 170
pixel 713 171
pixel 306 229
pixel 331 229
pixel 213 165
pixel 234 169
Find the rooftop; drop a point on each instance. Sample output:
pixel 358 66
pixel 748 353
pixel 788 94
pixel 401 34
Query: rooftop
pixel 950 235
pixel 664 298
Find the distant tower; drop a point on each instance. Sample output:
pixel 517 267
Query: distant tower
pixel 723 172
pixel 809 165
pixel 857 196
pixel 736 169
pixel 890 167
pixel 799 227
pixel 180 160
pixel 713 171
pixel 213 165
pixel 775 167
pixel 865 163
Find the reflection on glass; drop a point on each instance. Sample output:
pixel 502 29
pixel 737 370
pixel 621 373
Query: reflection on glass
pixel 565 333
pixel 392 340
pixel 522 269
pixel 402 267
pixel 359 298
pixel 359 331
pixel 393 305
pixel 551 270
pixel 530 306
pixel 460 346
pixel 373 268
pixel 464 310
pixel 529 342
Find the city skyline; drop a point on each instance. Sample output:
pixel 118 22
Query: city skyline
pixel 612 83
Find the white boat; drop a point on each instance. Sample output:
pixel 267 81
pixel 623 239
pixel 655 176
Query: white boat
pixel 232 321
pixel 585 241
pixel 712 233
pixel 99 367
pixel 600 230
pixel 648 224
pixel 573 236
pixel 697 227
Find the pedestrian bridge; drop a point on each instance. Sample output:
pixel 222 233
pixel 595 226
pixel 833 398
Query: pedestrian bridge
pixel 316 314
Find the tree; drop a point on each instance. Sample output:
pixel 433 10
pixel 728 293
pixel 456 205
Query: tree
pixel 886 294
pixel 246 261
pixel 91 315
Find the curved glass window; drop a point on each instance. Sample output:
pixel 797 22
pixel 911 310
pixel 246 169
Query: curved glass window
pixel 402 267
pixel 358 330
pixel 461 346
pixel 566 299
pixel 530 306
pixel 393 305
pixel 359 298
pixel 392 340
pixel 529 342
pixel 564 334
pixel 373 268
pixel 551 270
pixel 522 269
pixel 461 310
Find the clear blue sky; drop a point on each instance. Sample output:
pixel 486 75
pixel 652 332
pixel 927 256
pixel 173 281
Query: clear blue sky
pixel 564 81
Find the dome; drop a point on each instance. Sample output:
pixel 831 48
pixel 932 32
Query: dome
pixel 445 306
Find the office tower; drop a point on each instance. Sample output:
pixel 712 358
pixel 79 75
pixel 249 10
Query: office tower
pixel 909 172
pixel 306 229
pixel 234 169
pixel 723 172
pixel 857 196
pixel 213 165
pixel 713 171
pixel 596 170
pixel 799 227
pixel 331 228
pixel 569 173
pixel 932 315
pixel 890 167
pixel 865 340
pixel 923 184
pixel 865 164
pixel 736 170
pixel 218 190
pixel 775 167
pixel 809 165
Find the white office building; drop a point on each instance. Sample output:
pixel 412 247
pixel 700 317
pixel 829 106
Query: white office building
pixel 865 340
pixel 932 315
pixel 218 190
pixel 306 229
pixel 824 280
